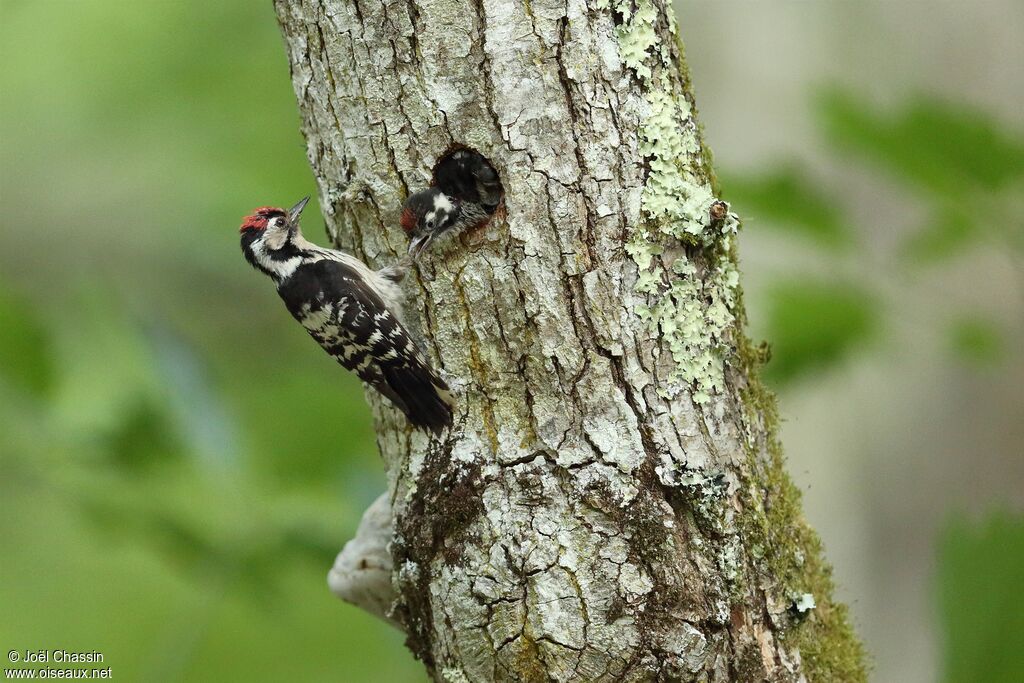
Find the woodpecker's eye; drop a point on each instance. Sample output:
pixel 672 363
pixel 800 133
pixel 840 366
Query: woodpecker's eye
pixel 430 223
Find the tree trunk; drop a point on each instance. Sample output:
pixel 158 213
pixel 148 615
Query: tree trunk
pixel 612 503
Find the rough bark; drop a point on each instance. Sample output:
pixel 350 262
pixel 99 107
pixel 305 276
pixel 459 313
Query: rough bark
pixel 612 503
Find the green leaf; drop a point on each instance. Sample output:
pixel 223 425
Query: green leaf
pixel 105 364
pixel 946 234
pixel 814 325
pixel 144 437
pixel 977 341
pixel 791 202
pixel 944 148
pixel 981 571
pixel 25 354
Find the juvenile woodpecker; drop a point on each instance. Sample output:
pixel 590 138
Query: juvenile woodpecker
pixel 351 310
pixel 464 193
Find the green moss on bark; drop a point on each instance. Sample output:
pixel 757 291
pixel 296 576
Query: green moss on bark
pixel 773 522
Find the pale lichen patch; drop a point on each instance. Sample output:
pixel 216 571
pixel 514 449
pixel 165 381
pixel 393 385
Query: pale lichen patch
pixel 634 581
pixel 637 35
pixel 691 314
pixel 674 197
pixel 453 675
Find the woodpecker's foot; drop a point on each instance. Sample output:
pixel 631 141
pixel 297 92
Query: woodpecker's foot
pixel 397 270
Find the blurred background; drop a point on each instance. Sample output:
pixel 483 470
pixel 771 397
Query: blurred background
pixel 178 467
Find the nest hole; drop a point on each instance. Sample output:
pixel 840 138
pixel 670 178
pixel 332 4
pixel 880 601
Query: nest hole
pixel 464 173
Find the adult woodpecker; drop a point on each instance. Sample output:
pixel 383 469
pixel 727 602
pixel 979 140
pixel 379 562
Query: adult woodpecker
pixel 464 193
pixel 351 310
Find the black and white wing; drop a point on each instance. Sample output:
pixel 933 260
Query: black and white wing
pixel 351 322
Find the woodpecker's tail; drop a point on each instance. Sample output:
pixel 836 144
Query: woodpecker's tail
pixel 424 397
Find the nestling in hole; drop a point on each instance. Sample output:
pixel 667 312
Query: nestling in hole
pixel 465 192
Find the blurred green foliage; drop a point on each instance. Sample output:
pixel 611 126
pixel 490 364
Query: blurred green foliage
pixel 977 341
pixel 180 463
pixel 942 148
pixel 25 356
pixel 963 165
pixel 965 171
pixel 813 325
pixel 981 571
pixel 793 204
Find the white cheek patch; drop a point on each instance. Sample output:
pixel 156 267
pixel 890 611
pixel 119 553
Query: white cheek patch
pixel 442 203
pixel 275 237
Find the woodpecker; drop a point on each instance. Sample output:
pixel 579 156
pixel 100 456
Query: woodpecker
pixel 464 193
pixel 352 311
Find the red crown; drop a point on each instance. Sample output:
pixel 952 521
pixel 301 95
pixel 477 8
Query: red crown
pixel 259 218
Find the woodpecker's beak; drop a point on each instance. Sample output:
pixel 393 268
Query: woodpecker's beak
pixel 420 243
pixel 296 211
